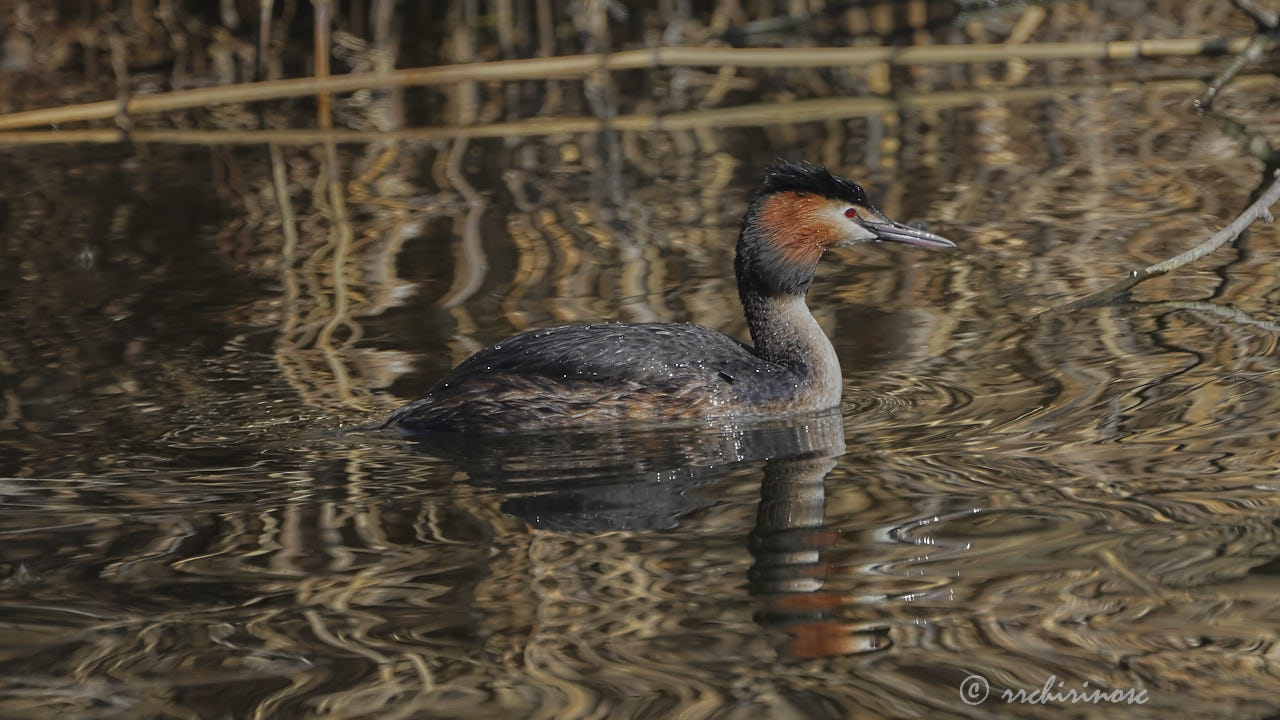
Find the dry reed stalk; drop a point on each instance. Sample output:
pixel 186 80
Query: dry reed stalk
pixel 578 65
pixel 757 114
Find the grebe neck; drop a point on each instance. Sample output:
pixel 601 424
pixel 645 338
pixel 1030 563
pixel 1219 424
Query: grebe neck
pixel 786 333
pixel 774 266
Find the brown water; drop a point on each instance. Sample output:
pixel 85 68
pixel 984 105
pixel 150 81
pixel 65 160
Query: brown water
pixel 1090 497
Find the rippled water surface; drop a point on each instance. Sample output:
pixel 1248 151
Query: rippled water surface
pixel 1088 497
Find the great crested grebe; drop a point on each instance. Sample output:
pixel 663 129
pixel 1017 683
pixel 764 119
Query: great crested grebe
pixel 648 372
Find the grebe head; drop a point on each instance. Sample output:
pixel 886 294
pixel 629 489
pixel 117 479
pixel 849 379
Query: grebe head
pixel 799 212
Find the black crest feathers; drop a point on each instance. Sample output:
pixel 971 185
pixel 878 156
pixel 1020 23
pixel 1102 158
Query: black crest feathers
pixel 787 176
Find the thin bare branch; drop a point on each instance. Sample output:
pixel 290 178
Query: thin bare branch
pixel 1268 22
pixel 1266 18
pixel 1258 45
pixel 1259 209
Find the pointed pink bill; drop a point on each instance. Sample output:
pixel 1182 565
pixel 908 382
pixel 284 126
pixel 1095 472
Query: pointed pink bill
pixel 898 232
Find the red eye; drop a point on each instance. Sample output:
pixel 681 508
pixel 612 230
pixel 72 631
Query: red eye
pixel 851 213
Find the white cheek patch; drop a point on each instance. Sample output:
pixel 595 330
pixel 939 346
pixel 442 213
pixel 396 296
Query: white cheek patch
pixel 860 234
pixel 849 230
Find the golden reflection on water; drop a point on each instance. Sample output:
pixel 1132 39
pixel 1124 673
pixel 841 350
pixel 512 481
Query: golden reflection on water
pixel 1090 496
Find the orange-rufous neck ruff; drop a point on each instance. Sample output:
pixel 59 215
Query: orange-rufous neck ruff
pixel 800 225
